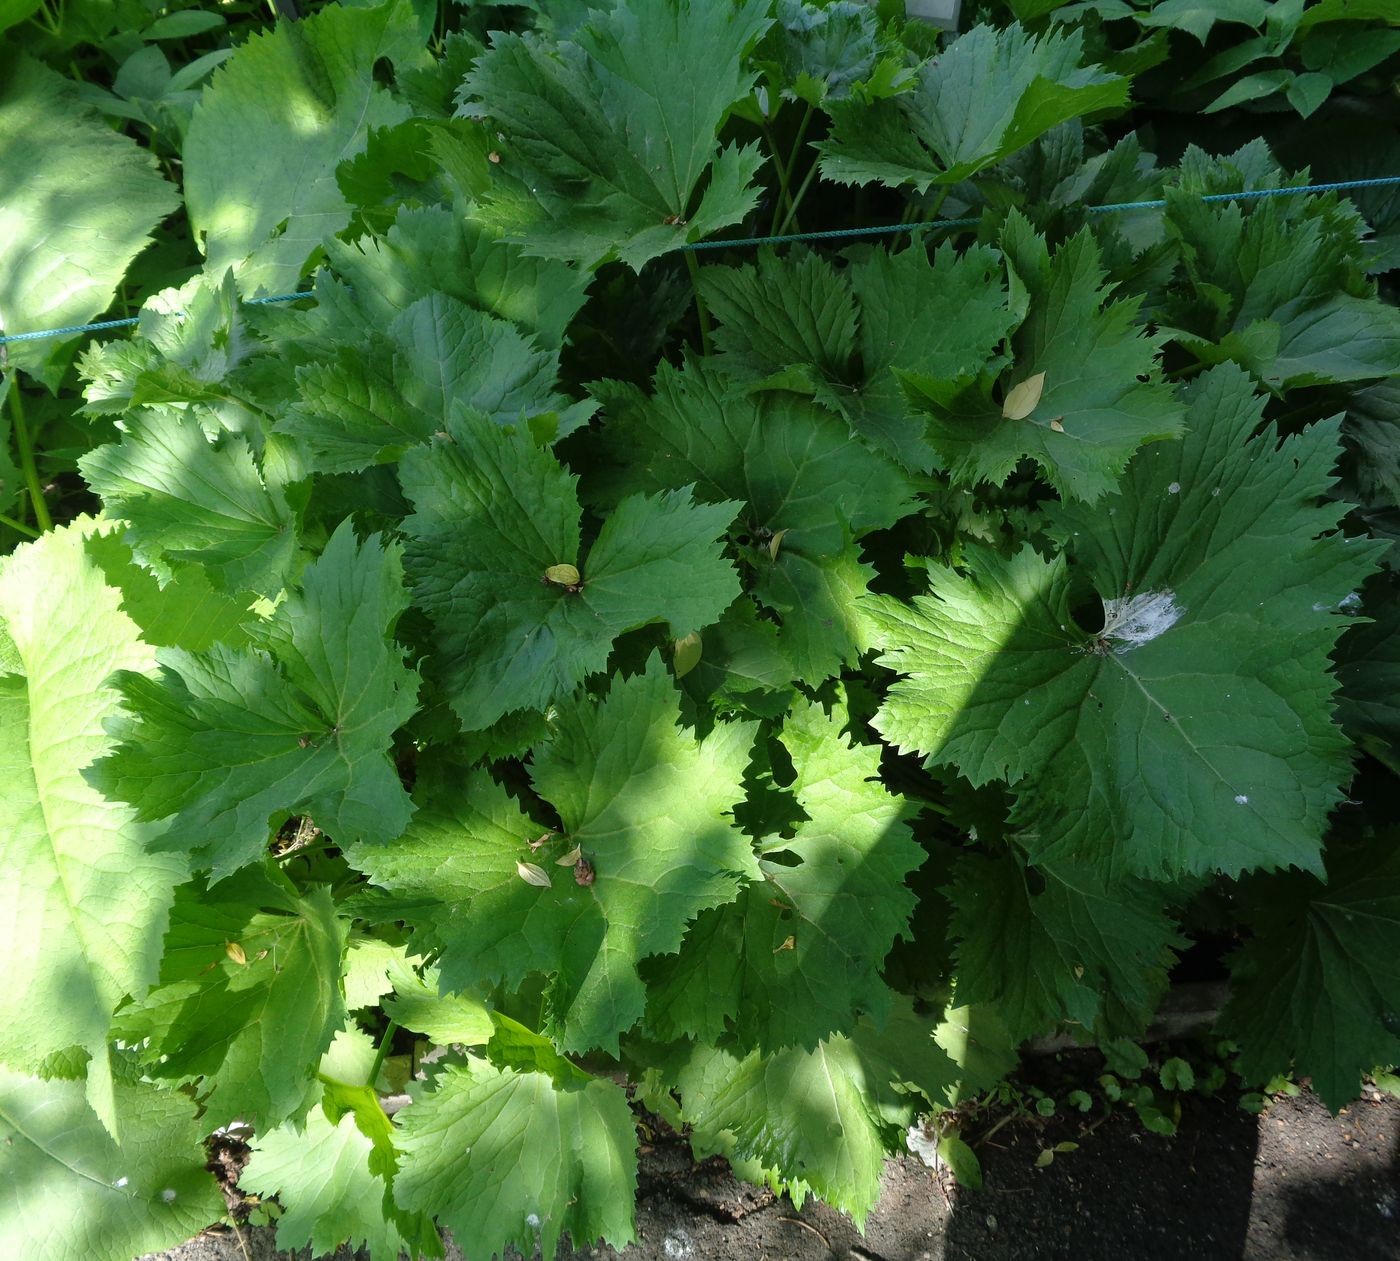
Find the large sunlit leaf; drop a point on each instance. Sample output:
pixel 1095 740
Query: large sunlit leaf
pixel 1192 730
pixel 249 998
pixel 288 107
pixel 78 201
pixel 798 956
pixel 603 145
pixel 571 1152
pixel 225 741
pixel 69 1193
pixel 84 904
pixel 988 94
pixel 641 801
pixel 522 613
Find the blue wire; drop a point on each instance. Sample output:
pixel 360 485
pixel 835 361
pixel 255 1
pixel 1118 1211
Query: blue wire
pixel 1381 181
pixel 128 323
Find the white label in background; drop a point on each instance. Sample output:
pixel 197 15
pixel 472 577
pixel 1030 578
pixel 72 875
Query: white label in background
pixel 942 13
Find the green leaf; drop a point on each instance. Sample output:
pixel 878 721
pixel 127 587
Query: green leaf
pixel 495 514
pixel 1368 667
pixel 1177 1074
pixel 1198 17
pixel 644 802
pixel 823 51
pixel 1347 10
pixel 512 1045
pixel 1077 950
pixel 1278 285
pixel 186 613
pixel 571 1153
pixel 1307 92
pixel 70 1193
pixel 788 311
pixel 1101 395
pixel 1342 53
pixel 447 1019
pixel 191 342
pixel 189 500
pixel 978 1042
pixel 368 964
pixel 183 23
pixel 13 12
pixel 1192 732
pixel 793 322
pixel 962 1160
pixel 944 317
pixel 794 468
pixel 278 118
pixel 436 358
pixel 249 1031
pixel 227 742
pixel 1251 87
pixel 324 1177
pixel 83 914
pixel 604 146
pixel 65 250
pixel 1342 338
pixel 1318 986
pixel 988 94
pixel 827 1117
pixel 1124 1057
pixel 798 956
pixel 742 667
pixel 431 250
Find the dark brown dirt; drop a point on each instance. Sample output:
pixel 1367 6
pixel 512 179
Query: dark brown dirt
pixel 1293 1185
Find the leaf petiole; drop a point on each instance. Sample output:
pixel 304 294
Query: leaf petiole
pixel 25 448
pixel 389 1030
pixel 701 312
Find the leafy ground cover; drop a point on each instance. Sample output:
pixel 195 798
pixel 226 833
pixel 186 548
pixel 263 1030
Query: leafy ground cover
pixel 562 660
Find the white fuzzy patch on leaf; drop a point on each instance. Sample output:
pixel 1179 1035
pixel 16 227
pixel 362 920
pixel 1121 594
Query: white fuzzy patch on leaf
pixel 1139 619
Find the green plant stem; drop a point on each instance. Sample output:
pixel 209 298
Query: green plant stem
pixel 1010 1116
pixel 796 151
pixel 700 310
pixel 19 527
pixel 797 201
pixel 389 1031
pixel 302 851
pixel 786 171
pixel 784 188
pixel 26 460
pixel 914 212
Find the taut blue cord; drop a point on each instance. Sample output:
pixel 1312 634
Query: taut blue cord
pixel 835 234
pixel 128 323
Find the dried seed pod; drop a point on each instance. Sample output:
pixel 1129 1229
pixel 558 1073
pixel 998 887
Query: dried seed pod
pixel 584 874
pixel 562 575
pixel 571 859
pixel 687 653
pixel 235 952
pixel 531 874
pixel 1021 399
